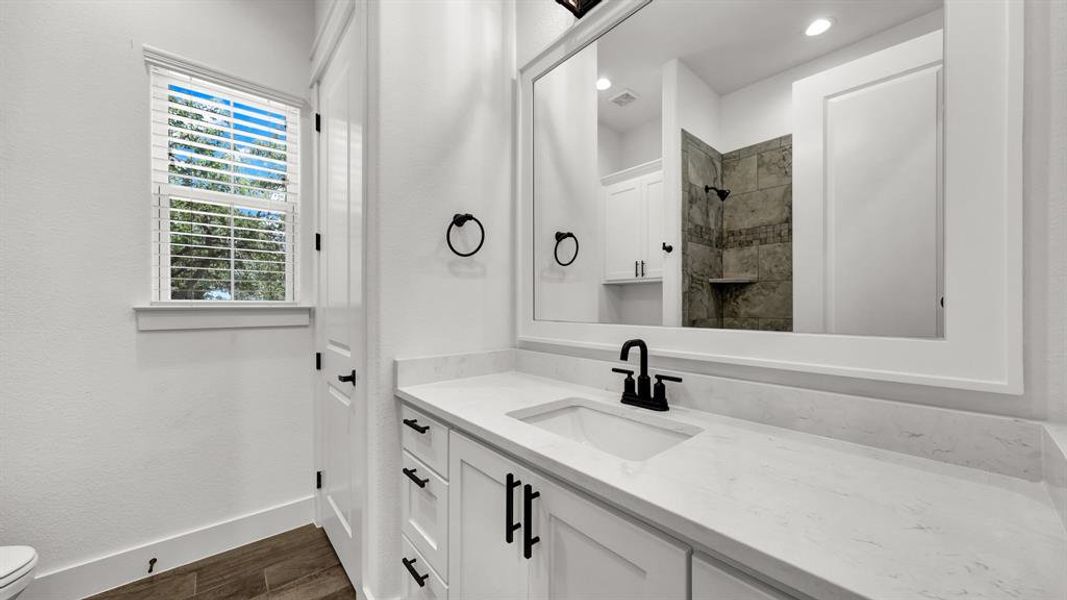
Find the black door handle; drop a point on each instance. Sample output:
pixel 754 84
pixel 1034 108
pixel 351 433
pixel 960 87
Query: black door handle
pixel 635 268
pixel 414 424
pixel 509 509
pixel 412 476
pixel 642 268
pixel 419 579
pixel 350 378
pixel 528 539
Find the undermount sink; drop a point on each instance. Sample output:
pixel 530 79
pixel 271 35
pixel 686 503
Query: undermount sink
pixel 617 430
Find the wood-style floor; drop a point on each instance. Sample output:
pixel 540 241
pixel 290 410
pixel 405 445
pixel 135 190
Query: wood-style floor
pixel 295 565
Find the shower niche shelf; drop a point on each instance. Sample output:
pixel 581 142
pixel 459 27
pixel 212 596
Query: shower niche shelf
pixel 732 280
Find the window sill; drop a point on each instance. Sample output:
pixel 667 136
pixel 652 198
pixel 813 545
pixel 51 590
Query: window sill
pixel 174 317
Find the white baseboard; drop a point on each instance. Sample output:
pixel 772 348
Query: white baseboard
pixel 120 568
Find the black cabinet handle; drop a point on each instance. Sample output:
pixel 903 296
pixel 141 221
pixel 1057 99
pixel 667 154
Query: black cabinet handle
pixel 635 268
pixel 409 563
pixel 528 539
pixel 350 378
pixel 414 424
pixel 642 268
pixel 509 509
pixel 412 476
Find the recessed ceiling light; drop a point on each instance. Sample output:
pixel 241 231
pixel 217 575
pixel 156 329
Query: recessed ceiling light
pixel 603 83
pixel 818 27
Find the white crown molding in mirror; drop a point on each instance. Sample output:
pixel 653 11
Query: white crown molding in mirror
pixel 983 121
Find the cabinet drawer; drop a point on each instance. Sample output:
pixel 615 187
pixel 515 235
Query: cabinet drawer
pixel 713 580
pixel 426 438
pixel 424 509
pixel 432 587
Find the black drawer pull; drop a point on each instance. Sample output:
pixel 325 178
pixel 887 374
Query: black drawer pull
pixel 509 509
pixel 528 539
pixel 412 476
pixel 414 424
pixel 419 579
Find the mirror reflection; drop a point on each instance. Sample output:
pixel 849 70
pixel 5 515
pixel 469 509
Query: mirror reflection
pixel 768 165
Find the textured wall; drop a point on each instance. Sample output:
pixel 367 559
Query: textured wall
pixel 111 438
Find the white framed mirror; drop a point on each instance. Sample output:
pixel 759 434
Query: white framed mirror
pixel 825 187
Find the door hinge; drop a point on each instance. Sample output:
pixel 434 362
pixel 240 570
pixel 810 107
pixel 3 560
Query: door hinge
pixel 318 361
pixel 318 480
pixel 318 122
pixel 318 241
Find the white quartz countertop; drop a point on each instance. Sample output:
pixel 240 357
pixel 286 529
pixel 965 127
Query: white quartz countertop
pixel 823 517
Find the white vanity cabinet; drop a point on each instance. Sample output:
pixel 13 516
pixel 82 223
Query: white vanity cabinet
pixel 633 224
pixel 714 581
pixel 566 546
pixel 424 500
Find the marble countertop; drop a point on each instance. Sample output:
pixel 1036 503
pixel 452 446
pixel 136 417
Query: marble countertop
pixel 826 518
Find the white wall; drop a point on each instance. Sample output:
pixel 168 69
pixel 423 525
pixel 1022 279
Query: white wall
pixel 568 190
pixel 633 304
pixel 688 103
pixel 696 105
pixel 1045 199
pixel 641 144
pixel 763 110
pixel 608 150
pixel 110 438
pixel 538 23
pixel 440 144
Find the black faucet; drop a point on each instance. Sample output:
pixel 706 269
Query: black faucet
pixel 642 395
pixel 644 382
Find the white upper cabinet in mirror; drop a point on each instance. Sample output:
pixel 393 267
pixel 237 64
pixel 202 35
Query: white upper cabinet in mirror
pixel 734 176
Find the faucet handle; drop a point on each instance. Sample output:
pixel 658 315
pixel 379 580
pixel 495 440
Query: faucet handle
pixel 659 391
pixel 628 385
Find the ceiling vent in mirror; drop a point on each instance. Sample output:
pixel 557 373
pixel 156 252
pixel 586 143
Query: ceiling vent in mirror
pixel 624 97
pixel 579 7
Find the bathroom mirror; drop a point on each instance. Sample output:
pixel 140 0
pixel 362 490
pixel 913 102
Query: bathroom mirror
pixel 773 165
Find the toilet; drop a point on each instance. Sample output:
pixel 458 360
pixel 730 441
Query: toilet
pixel 17 564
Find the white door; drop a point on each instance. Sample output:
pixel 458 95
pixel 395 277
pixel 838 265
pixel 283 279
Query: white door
pixel 867 197
pixel 340 314
pixel 652 186
pixel 623 215
pixel 589 551
pixel 482 563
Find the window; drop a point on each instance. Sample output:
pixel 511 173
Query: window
pixel 225 190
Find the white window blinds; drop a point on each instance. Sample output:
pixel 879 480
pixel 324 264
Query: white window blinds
pixel 225 178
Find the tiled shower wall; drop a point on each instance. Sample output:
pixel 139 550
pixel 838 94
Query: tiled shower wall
pixel 701 226
pixel 747 237
pixel 758 236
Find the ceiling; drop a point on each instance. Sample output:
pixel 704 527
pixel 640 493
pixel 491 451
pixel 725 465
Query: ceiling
pixel 730 43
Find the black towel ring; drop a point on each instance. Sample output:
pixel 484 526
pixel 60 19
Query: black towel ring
pixel 458 220
pixel 560 236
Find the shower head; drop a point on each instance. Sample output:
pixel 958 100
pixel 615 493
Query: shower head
pixel 721 193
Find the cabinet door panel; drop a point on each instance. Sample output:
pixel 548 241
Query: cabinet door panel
pixel 589 551
pixel 425 511
pixel 653 192
pixel 481 562
pixel 623 222
pixel 432 588
pixel 713 581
